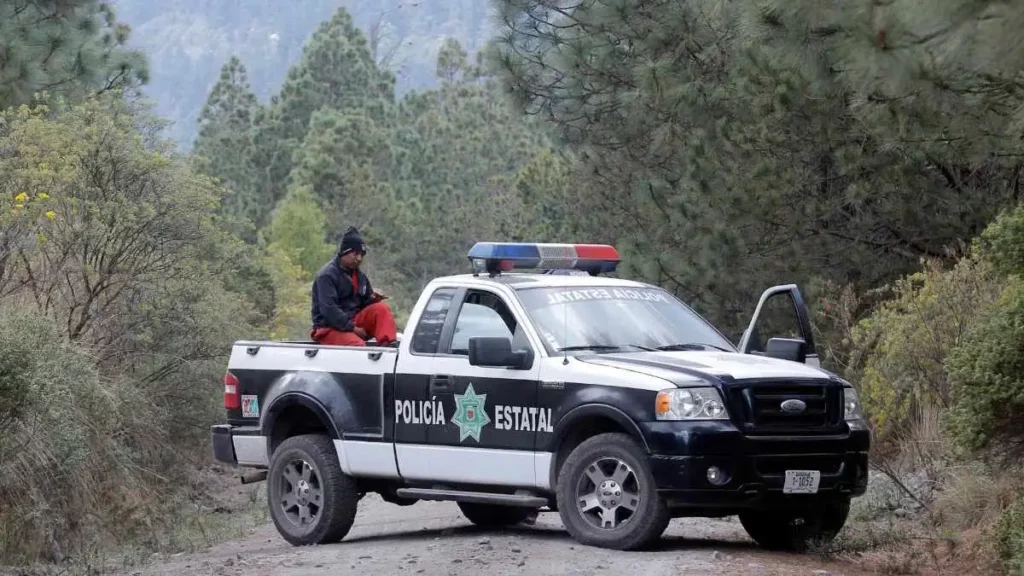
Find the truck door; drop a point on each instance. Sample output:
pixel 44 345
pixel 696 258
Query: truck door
pixel 781 327
pixel 491 412
pixel 413 410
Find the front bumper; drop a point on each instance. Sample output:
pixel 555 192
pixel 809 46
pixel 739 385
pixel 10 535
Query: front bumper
pixel 754 466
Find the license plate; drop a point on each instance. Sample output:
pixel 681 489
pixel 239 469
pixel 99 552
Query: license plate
pixel 801 482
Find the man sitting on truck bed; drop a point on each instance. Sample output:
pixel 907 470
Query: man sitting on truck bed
pixel 346 309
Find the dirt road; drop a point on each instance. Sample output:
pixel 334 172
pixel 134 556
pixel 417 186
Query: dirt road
pixel 433 538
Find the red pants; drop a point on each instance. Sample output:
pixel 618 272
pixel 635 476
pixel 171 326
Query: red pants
pixel 376 319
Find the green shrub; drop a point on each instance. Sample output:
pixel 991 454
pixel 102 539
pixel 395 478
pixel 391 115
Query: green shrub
pixel 987 368
pixel 987 376
pixel 1002 242
pixel 898 353
pixel 1009 534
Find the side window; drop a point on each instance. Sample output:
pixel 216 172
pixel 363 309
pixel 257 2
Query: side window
pixel 778 319
pixel 484 314
pixel 427 336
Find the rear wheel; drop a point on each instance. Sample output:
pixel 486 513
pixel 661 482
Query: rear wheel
pixel 795 529
pixel 495 515
pixel 607 497
pixel 311 500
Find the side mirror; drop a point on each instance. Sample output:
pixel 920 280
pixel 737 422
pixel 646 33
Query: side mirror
pixel 792 349
pixel 496 352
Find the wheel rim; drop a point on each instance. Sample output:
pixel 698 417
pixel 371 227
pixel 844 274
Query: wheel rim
pixel 300 493
pixel 608 493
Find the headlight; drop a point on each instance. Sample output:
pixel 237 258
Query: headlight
pixel 851 404
pixel 690 404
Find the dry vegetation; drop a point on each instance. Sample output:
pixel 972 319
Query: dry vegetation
pixel 115 307
pixel 937 357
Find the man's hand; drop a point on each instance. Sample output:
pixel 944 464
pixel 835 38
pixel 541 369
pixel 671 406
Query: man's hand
pixel 360 332
pixel 378 295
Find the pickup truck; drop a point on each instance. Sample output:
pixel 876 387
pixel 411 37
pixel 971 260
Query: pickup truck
pixel 608 401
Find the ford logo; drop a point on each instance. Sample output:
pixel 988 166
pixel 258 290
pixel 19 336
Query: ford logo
pixel 793 406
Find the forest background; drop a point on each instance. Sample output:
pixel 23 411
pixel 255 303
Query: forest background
pixel 155 211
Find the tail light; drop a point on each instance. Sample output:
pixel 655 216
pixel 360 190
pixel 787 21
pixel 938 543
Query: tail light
pixel 232 401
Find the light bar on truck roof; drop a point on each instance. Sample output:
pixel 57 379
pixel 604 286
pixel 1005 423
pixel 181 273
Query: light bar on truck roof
pixel 497 257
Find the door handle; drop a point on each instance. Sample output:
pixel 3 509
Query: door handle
pixel 440 383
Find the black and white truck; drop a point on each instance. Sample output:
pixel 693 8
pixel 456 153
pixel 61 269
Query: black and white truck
pixel 606 400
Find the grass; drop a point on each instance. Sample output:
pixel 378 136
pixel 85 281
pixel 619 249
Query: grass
pixel 859 537
pixel 953 531
pixel 193 528
pixel 974 495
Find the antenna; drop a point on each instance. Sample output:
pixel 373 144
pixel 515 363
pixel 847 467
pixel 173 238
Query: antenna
pixel 565 333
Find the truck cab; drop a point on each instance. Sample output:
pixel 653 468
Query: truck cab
pixel 606 400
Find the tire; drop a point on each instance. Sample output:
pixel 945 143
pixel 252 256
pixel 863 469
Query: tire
pixel 795 530
pixel 309 464
pixel 495 515
pixel 631 530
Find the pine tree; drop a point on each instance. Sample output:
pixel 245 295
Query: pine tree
pixel 422 178
pixel 453 148
pixel 336 71
pixel 732 145
pixel 344 156
pixel 225 128
pixel 69 47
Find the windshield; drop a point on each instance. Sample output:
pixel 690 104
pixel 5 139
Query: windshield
pixel 596 318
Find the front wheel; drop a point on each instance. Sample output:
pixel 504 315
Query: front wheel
pixel 311 500
pixel 798 528
pixel 607 496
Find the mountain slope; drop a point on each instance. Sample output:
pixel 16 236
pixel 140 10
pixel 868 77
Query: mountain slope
pixel 187 42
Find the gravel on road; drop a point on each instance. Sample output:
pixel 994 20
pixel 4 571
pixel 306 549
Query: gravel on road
pixel 433 538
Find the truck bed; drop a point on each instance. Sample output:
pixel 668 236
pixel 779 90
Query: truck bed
pixel 360 375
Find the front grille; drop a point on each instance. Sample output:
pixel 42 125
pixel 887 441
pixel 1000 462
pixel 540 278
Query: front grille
pixel 756 406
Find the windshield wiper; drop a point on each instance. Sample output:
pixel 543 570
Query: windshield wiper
pixel 690 346
pixel 603 347
pixel 644 348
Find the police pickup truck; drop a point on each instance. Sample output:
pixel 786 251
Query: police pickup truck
pixel 606 400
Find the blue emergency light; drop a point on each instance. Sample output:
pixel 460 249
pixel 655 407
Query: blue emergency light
pixel 497 257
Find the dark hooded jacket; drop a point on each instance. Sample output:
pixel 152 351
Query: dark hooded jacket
pixel 338 295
